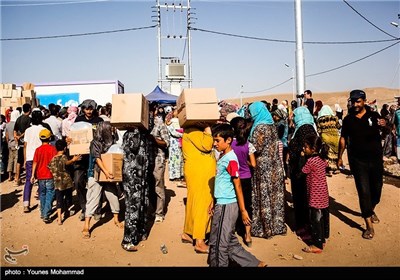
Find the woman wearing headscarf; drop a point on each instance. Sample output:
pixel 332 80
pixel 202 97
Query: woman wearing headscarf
pixel 72 113
pixel 135 175
pixel 175 158
pixel 8 114
pixel 199 169
pixel 304 125
pixel 268 186
pixel 280 117
pixel 328 128
pixel 318 107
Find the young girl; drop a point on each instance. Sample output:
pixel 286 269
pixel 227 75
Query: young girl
pixel 317 191
pixel 244 151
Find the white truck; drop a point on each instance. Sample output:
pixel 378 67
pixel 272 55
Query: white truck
pixel 73 93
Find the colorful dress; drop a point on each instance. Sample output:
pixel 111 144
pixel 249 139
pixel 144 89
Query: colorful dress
pixel 328 128
pixel 268 196
pixel 175 159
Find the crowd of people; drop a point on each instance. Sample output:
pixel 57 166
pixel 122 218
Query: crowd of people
pixel 234 169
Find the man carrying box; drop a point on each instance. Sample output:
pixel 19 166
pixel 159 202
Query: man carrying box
pixel 88 107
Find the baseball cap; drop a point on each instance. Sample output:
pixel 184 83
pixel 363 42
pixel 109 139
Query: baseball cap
pixel 44 134
pixel 356 94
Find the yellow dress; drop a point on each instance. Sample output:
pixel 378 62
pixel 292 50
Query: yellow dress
pixel 199 170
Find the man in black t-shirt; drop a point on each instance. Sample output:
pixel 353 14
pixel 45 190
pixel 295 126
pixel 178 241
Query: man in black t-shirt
pixel 361 135
pixel 21 124
pixel 309 101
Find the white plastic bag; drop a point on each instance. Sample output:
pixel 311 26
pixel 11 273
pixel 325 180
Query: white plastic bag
pixel 115 149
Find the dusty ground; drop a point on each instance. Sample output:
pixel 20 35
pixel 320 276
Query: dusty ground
pixel 51 245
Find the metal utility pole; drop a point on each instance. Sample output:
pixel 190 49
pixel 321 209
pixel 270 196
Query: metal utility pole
pixel 300 76
pixel 176 71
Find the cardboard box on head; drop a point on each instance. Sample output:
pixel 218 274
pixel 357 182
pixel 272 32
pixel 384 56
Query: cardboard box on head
pixel 128 110
pixel 197 105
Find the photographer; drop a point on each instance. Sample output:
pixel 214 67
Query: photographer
pixel 309 101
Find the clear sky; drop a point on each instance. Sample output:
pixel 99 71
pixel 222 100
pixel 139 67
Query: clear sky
pixel 220 61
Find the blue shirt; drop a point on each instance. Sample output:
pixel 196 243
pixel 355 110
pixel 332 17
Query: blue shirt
pixel 227 167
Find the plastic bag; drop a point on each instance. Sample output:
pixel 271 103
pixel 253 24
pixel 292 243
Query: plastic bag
pixel 115 149
pixel 80 126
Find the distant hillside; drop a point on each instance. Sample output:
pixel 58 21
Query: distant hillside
pixel 382 96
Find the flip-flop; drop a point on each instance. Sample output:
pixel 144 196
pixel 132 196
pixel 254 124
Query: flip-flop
pixel 85 234
pixel 119 224
pixel 186 238
pixel 200 251
pixel 375 219
pixel 129 247
pixel 308 249
pixel 367 234
pixel 248 243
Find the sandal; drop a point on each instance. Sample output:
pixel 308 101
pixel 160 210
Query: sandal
pixel 118 224
pixel 248 243
pixel 314 250
pixel 85 234
pixel 368 234
pixel 129 247
pixel 186 238
pixel 200 250
pixel 375 219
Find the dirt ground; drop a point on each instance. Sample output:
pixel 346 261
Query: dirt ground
pixel 52 245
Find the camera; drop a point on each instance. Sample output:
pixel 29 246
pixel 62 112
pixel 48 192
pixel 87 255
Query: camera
pixel 300 95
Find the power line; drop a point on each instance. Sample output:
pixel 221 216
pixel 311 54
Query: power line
pixel 292 41
pixel 326 71
pixel 258 91
pixel 347 64
pixel 202 30
pixel 368 20
pixel 77 35
pixel 52 3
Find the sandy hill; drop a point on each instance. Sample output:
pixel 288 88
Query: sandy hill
pixel 382 96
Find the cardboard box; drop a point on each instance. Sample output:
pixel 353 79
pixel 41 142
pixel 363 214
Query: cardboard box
pixel 6 93
pixel 28 86
pixel 113 163
pixel 197 104
pixel 80 141
pixel 15 101
pixel 16 93
pixel 130 110
pixel 9 86
pixel 29 93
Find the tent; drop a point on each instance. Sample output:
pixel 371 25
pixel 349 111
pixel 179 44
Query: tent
pixel 161 96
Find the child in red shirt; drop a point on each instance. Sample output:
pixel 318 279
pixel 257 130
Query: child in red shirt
pixel 317 191
pixel 40 171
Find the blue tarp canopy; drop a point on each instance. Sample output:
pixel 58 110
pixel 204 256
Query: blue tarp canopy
pixel 161 96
